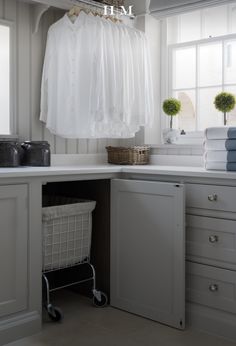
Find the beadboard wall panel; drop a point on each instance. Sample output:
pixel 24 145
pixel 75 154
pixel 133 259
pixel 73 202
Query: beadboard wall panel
pixel 30 50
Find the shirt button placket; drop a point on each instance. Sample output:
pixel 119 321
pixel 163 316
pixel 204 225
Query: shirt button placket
pixel 73 73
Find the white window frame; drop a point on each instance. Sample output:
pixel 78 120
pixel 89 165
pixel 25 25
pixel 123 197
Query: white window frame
pixel 13 123
pixel 222 40
pixel 191 139
pixel 196 137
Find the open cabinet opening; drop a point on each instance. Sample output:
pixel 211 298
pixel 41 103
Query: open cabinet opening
pixel 98 191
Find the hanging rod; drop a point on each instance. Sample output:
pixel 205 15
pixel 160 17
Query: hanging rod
pixel 99 5
pixel 41 6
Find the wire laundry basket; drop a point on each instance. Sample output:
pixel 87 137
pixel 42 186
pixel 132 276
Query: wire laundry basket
pixel 67 231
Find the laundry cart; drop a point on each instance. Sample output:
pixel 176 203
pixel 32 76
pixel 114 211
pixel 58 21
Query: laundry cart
pixel 67 232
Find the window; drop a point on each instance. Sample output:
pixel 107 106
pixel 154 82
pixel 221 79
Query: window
pixel 6 93
pixel 201 49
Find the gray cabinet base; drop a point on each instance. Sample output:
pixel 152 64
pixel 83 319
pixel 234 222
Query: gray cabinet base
pixel 211 321
pixel 19 326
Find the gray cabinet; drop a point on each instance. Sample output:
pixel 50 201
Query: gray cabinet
pixel 211 287
pixel 211 258
pixel 211 241
pixel 148 250
pixel 211 197
pixel 13 249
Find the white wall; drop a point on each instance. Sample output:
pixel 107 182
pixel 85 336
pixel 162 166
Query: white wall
pixel 29 58
pixel 163 8
pixel 139 6
pixel 153 33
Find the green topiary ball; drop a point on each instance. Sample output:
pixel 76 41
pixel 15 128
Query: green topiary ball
pixel 171 106
pixel 225 102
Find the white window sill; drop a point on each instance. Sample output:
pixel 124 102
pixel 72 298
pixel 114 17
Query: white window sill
pixel 7 138
pixel 178 149
pixel 177 146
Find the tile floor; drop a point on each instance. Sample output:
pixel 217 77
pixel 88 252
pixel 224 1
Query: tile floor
pixel 85 325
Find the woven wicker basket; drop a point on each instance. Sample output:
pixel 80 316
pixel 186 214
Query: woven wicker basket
pixel 128 156
pixel 115 3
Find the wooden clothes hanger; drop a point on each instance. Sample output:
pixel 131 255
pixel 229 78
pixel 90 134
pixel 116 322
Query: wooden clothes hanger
pixel 75 11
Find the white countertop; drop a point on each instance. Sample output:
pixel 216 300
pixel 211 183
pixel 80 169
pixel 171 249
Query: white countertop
pixel 183 171
pixel 110 169
pixel 57 170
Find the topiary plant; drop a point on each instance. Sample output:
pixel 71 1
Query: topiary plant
pixel 171 107
pixel 225 102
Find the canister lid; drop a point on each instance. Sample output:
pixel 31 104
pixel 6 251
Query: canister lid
pixel 37 143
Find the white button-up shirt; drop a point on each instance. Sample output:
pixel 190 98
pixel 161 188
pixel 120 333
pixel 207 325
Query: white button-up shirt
pixel 96 79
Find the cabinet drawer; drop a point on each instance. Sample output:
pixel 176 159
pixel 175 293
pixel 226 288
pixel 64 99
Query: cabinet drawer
pixel 211 238
pixel 210 286
pixel 211 197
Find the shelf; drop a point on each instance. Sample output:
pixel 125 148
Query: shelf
pixel 62 4
pixel 38 11
pixel 41 6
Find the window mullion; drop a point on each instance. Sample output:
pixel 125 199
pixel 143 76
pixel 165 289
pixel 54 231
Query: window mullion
pixel 229 19
pixel 166 69
pixel 203 41
pixel 202 19
pixel 223 65
pixel 197 91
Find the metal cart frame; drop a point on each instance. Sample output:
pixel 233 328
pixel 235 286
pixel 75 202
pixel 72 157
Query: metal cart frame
pixel 67 227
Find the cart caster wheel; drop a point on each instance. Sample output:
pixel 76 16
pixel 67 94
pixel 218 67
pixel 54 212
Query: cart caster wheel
pixel 54 313
pixel 100 300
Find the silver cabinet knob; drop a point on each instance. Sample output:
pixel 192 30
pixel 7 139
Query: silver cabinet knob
pixel 213 288
pixel 213 239
pixel 213 198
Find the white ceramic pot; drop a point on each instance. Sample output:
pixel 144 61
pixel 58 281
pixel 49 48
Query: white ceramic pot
pixel 170 136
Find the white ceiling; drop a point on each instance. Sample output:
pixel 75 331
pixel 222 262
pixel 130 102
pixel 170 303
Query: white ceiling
pixel 163 4
pixel 168 7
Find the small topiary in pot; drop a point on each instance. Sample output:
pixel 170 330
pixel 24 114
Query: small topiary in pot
pixel 171 107
pixel 225 103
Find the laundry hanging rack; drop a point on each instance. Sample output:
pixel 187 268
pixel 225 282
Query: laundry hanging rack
pixel 100 6
pixel 93 3
pixel 41 6
pixel 94 7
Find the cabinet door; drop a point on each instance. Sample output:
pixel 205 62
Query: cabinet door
pixel 148 250
pixel 13 248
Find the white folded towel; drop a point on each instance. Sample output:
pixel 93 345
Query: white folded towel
pixel 220 144
pixel 220 156
pixel 226 132
pixel 220 166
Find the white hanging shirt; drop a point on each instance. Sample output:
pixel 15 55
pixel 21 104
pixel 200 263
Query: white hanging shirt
pixel 129 103
pixel 96 79
pixel 67 76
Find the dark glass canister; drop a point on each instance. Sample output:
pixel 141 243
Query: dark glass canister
pixel 36 153
pixel 10 154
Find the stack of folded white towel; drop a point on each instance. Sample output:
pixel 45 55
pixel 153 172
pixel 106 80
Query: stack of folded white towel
pixel 220 148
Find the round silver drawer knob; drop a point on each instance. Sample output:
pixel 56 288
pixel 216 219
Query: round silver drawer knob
pixel 213 239
pixel 213 288
pixel 213 198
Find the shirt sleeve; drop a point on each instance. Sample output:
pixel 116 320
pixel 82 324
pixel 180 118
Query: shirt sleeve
pixel 46 67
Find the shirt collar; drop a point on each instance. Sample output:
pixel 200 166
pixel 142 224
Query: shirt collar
pixel 78 21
